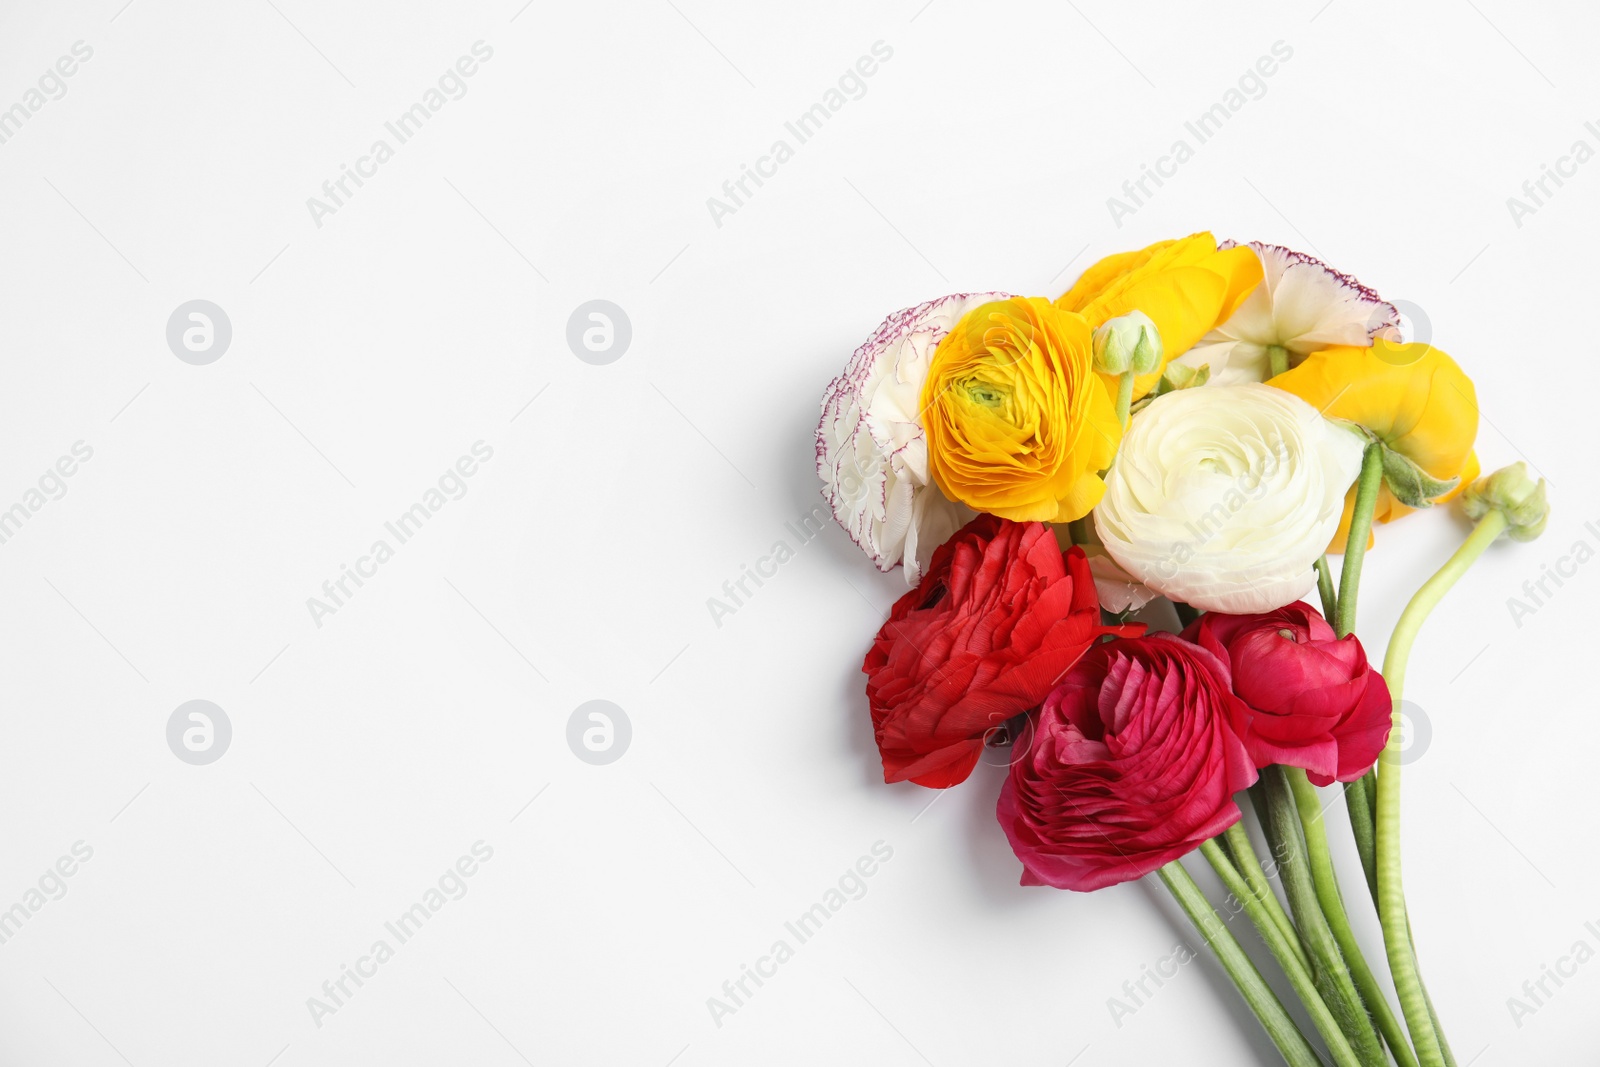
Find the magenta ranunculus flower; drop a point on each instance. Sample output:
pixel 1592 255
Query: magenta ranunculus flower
pixel 1133 764
pixel 1312 699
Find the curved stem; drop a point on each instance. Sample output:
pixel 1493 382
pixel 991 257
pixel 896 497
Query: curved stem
pixel 1332 976
pixel 1355 547
pixel 1291 1043
pixel 1363 826
pixel 1326 883
pixel 1286 954
pixel 1330 599
pixel 1248 863
pixel 1391 895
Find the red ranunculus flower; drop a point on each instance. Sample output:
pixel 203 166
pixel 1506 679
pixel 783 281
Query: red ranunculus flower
pixel 996 621
pixel 1313 700
pixel 1134 763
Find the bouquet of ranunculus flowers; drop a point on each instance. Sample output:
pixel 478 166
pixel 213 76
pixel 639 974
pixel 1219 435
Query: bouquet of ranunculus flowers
pixel 1206 424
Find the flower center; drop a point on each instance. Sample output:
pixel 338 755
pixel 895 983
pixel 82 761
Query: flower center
pixel 987 394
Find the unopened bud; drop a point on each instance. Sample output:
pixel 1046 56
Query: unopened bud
pixel 1128 342
pixel 1516 494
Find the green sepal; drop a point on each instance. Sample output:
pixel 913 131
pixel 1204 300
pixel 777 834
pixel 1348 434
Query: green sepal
pixel 1410 484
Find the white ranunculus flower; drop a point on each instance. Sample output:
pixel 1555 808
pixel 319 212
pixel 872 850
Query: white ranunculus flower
pixel 1302 305
pixel 871 453
pixel 1224 497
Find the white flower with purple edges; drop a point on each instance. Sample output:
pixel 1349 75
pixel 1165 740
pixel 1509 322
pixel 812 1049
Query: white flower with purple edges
pixel 871 453
pixel 1301 306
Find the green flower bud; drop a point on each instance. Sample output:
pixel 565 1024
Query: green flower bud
pixel 1128 342
pixel 1516 494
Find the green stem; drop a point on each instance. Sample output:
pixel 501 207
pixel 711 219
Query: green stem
pixel 1248 862
pixel 1277 360
pixel 1358 801
pixel 1326 883
pixel 1124 397
pixel 1286 953
pixel 1391 894
pixel 1355 547
pixel 1275 800
pixel 1291 1043
pixel 1330 599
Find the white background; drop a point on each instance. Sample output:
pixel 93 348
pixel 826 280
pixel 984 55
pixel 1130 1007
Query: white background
pixel 372 351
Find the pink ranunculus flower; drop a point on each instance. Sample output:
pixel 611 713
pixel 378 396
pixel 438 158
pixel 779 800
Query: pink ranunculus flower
pixel 1312 699
pixel 1134 763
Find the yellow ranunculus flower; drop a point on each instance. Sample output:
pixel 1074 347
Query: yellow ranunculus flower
pixel 1416 399
pixel 1186 286
pixel 1017 422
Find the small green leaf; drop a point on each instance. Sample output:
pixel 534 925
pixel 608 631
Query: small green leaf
pixel 1410 484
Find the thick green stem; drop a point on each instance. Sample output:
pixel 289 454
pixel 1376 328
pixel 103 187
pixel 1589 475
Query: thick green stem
pixel 1248 863
pixel 1391 894
pixel 1326 884
pixel 1124 397
pixel 1368 485
pixel 1277 360
pixel 1364 827
pixel 1291 1043
pixel 1286 953
pixel 1355 547
pixel 1330 599
pixel 1275 801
